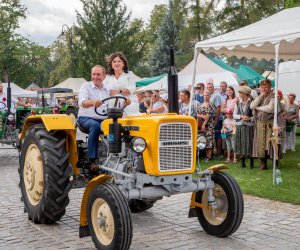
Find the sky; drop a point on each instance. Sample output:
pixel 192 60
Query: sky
pixel 45 18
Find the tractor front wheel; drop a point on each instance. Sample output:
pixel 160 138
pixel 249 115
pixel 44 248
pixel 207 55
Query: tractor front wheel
pixel 227 217
pixel 109 218
pixel 44 174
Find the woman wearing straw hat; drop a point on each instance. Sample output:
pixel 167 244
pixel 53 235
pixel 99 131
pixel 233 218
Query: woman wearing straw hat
pixel 244 126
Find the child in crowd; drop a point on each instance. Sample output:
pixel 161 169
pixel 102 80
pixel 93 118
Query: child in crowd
pixel 228 130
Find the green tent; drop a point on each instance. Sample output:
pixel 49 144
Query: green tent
pixel 147 81
pixel 250 75
pixel 223 65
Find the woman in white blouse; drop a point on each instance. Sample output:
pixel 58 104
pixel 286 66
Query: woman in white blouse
pixel 120 81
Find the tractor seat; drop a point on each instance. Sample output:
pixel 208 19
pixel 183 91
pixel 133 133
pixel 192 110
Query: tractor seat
pixel 83 130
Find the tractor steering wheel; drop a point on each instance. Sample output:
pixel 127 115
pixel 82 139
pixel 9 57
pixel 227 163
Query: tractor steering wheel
pixel 2 105
pixel 115 105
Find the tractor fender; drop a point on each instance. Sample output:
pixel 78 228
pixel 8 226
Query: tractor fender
pixel 83 228
pixel 55 122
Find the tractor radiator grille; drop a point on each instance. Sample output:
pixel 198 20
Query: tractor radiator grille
pixel 175 147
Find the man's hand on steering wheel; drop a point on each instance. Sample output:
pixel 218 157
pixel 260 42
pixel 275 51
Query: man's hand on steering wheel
pixel 2 105
pixel 126 102
pixel 98 103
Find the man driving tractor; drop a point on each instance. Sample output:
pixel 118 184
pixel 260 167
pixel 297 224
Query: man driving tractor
pixel 90 94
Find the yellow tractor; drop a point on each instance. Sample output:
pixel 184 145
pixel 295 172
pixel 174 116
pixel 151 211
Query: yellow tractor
pixel 141 160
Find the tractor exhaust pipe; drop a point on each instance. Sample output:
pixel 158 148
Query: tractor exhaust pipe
pixel 173 85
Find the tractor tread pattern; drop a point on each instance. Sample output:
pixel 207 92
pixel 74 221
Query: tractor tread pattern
pixel 57 170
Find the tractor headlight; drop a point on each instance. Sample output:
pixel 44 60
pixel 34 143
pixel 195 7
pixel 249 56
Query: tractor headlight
pixel 201 142
pixel 10 117
pixel 138 144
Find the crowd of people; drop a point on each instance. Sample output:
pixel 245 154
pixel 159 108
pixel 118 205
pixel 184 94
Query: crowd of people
pixel 237 124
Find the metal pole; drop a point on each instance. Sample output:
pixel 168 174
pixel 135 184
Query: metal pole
pixel 6 75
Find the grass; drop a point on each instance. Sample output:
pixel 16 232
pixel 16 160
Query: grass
pixel 260 183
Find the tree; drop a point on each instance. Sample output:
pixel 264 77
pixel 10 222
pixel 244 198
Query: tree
pixel 104 27
pixel 168 36
pixel 11 44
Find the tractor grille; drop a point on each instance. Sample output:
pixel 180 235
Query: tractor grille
pixel 175 147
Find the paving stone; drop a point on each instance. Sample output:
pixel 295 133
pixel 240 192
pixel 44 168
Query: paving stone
pixel 266 224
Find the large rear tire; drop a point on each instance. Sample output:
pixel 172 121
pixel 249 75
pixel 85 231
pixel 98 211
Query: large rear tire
pixel 226 219
pixel 44 174
pixel 109 218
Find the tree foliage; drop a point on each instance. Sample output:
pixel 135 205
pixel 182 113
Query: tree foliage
pixel 104 28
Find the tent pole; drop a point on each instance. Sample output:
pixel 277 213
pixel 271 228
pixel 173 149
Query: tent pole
pixel 196 53
pixel 275 125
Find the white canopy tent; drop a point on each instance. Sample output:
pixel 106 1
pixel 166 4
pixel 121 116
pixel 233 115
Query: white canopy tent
pixel 71 83
pixel 277 36
pixel 205 68
pixel 288 78
pixel 17 91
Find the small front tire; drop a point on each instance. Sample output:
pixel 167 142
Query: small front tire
pixel 226 219
pixel 109 218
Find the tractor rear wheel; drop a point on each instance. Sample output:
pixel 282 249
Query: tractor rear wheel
pixel 227 217
pixel 44 174
pixel 109 218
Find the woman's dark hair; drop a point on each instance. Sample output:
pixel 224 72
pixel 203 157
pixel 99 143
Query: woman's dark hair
pixel 233 96
pixel 111 57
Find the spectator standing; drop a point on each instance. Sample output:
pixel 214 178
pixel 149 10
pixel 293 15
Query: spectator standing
pixel 229 102
pixel 216 100
pixel 206 123
pixel 253 91
pixel 185 104
pixel 199 90
pixel 263 107
pixel 156 104
pixel 141 98
pixel 291 117
pixel 148 93
pixel 244 126
pixel 223 91
pixel 229 130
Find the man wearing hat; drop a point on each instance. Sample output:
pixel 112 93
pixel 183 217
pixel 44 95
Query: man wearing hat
pixel 263 108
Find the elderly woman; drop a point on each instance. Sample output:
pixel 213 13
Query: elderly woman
pixel 205 117
pixel 120 81
pixel 291 117
pixel 244 126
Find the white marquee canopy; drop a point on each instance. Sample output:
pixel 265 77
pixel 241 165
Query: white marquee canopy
pixel 257 40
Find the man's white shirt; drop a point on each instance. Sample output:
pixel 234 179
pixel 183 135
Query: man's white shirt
pixel 89 91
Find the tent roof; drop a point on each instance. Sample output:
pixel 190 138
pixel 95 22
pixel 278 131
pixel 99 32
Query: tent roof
pixel 32 86
pixel 161 83
pixel 17 91
pixel 252 77
pixel 71 83
pixel 147 81
pixel 257 40
pixel 223 64
pixel 205 68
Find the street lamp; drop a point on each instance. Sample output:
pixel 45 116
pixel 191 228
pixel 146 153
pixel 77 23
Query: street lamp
pixel 67 33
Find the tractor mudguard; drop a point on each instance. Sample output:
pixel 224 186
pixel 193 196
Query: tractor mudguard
pixel 83 228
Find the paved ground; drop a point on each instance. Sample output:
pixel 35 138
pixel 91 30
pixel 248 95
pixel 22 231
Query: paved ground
pixel 266 224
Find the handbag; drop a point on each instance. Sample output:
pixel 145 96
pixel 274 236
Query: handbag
pixel 289 126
